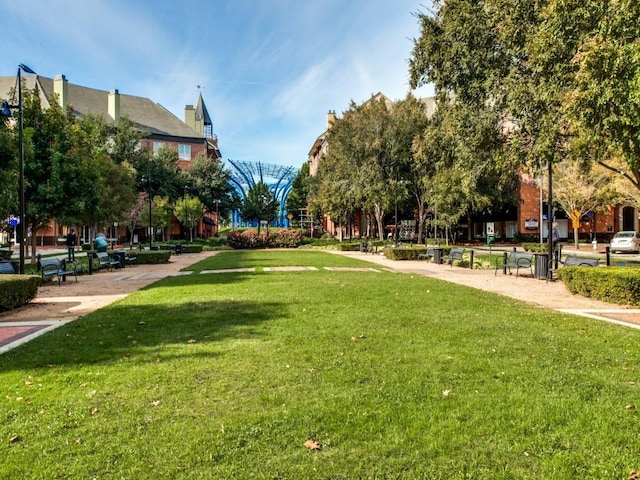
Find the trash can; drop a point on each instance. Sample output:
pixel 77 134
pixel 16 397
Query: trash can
pixel 120 256
pixel 437 255
pixel 178 249
pixel 542 265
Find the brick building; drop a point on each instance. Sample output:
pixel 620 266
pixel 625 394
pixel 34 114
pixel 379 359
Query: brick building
pixel 190 137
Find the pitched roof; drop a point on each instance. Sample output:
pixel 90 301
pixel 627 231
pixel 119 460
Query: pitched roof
pixel 147 115
pixel 201 111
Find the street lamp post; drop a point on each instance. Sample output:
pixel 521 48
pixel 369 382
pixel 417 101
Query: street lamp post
pixel 6 111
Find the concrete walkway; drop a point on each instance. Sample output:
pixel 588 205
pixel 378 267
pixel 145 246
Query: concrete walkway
pixel 55 306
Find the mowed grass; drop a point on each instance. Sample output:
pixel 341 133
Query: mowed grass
pixel 226 376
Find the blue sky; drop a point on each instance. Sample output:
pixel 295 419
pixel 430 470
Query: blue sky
pixel 269 70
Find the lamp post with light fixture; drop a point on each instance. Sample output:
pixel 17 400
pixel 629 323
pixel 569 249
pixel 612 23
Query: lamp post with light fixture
pixel 6 112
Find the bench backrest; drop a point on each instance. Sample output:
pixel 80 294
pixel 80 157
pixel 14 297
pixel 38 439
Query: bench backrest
pixel 50 266
pixel 520 258
pixel 456 251
pixel 103 257
pixel 48 262
pixel 7 267
pixel 575 261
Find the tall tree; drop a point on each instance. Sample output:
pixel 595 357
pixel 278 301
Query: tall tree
pixel 581 189
pixel 605 100
pixel 189 211
pixel 260 205
pixel 298 196
pixel 8 173
pixel 209 181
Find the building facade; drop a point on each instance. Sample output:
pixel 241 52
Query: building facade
pixel 190 137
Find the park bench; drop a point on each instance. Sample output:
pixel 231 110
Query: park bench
pixel 428 255
pixel 7 267
pixel 515 260
pixel 128 260
pixel 106 261
pixel 576 261
pixel 54 267
pixel 455 253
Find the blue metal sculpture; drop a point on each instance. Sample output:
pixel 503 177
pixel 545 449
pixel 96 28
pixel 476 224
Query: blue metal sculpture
pixel 245 175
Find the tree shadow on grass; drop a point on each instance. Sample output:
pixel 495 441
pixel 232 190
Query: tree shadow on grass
pixel 124 331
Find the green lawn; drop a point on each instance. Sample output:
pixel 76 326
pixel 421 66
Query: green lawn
pixel 226 376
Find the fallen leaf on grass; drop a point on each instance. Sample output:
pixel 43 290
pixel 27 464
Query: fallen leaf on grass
pixel 154 403
pixel 312 445
pixel 192 341
pixel 95 411
pixel 634 475
pixel 15 439
pixel 446 393
pixel 630 407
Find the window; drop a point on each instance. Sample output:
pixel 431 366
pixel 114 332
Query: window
pixel 156 146
pixel 184 152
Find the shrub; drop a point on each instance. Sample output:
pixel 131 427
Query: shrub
pixel 151 256
pixel 535 247
pixel 278 238
pixel 16 290
pixel 5 254
pixel 348 247
pixel 611 284
pixel 191 248
pixel 403 253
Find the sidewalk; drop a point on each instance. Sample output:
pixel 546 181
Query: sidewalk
pixel 57 305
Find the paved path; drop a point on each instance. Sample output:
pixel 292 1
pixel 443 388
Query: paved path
pixel 55 306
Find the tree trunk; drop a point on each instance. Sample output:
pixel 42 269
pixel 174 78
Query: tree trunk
pixel 379 215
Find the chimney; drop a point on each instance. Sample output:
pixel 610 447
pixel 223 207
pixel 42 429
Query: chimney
pixel 331 118
pixel 61 89
pixel 114 105
pixel 190 116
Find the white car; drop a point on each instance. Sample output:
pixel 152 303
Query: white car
pixel 625 242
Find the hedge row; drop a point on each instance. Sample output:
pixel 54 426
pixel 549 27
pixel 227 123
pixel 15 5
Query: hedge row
pixel 618 285
pixel 535 247
pixel 145 257
pixel 17 290
pixel 280 238
pixel 411 253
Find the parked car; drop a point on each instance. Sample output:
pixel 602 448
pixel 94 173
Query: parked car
pixel 625 242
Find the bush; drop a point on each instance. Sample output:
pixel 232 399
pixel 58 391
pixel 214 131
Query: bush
pixel 403 253
pixel 279 238
pixel 151 256
pixel 186 247
pixel 535 247
pixel 17 290
pixel 5 254
pixel 610 284
pixel 348 247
